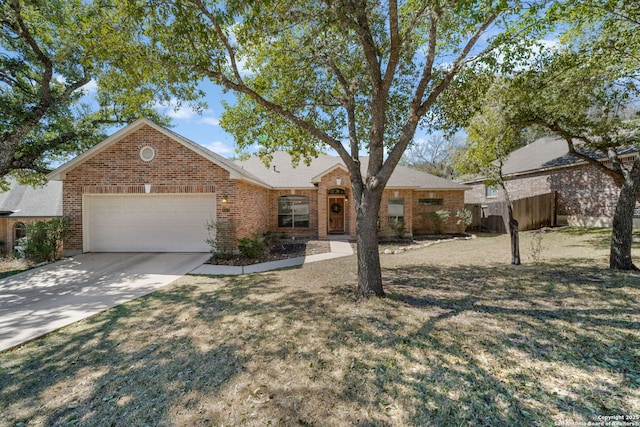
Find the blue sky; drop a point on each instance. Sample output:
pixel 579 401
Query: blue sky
pixel 204 128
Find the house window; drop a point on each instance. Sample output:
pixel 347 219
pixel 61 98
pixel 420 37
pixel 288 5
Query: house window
pixel 396 211
pixel 430 202
pixel 19 231
pixel 293 212
pixel 491 191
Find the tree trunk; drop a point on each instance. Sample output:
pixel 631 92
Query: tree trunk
pixel 622 233
pixel 515 240
pixel 369 271
pixel 513 224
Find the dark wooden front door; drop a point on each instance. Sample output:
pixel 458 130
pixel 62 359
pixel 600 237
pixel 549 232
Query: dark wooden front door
pixel 336 215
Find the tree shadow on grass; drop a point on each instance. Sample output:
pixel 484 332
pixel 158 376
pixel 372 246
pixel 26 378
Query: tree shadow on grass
pixel 450 346
pixel 125 370
pixel 571 320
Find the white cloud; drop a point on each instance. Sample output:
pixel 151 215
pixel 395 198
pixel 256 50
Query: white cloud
pixel 213 121
pixel 220 147
pixel 176 110
pixel 91 87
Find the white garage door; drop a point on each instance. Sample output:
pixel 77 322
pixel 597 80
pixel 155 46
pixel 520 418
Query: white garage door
pixel 147 222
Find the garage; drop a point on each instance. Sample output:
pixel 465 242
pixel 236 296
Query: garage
pixel 147 222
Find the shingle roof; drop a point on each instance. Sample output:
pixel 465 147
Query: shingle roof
pixel 26 201
pixel 550 151
pixel 281 173
pixel 547 153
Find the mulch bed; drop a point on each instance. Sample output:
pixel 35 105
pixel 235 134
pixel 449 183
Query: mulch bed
pixel 281 249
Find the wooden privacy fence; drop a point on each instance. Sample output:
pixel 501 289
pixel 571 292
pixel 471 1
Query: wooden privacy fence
pixel 530 212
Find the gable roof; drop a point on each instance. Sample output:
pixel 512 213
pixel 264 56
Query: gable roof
pixel 549 152
pixel 27 201
pixel 282 174
pixel 234 171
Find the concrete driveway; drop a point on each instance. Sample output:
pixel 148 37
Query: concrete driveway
pixel 44 299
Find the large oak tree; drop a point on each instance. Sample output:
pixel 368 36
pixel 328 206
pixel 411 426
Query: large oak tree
pixel 353 76
pixel 51 52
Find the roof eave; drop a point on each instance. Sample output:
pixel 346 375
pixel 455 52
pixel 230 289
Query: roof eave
pixel 318 177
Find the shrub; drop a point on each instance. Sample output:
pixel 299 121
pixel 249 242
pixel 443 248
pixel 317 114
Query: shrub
pixel 438 218
pixel 221 238
pixel 536 245
pixel 398 228
pixel 251 248
pixel 44 239
pixel 465 217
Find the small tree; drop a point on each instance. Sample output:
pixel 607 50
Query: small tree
pixel 434 154
pixel 44 239
pixel 438 218
pixel 491 138
pixel 464 219
pixel 221 238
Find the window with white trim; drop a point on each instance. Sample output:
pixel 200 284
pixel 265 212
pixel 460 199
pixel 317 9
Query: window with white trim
pixel 491 191
pixel 396 211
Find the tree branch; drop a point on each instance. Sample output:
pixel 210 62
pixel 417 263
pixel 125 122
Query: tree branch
pixel 396 46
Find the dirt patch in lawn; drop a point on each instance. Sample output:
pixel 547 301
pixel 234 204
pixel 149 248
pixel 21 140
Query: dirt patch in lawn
pixel 11 265
pixel 463 338
pixel 279 249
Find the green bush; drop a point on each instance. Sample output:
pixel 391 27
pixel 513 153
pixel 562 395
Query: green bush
pixel 44 239
pixel 251 248
pixel 438 218
pixel 397 227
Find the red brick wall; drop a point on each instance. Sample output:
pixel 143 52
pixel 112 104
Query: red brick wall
pixel 250 209
pixel 175 169
pixel 415 218
pixel 453 201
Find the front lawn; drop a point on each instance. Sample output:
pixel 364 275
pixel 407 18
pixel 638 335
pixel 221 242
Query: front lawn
pixel 463 338
pixel 11 265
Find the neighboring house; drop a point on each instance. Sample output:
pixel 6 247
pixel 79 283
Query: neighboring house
pixel 22 205
pixel 585 195
pixel 146 188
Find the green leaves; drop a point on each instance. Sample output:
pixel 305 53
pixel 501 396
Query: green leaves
pixel 50 52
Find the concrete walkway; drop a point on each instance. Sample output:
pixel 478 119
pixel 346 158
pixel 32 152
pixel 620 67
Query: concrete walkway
pixel 44 299
pixel 338 249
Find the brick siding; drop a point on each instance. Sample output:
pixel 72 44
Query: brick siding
pixel 252 209
pixel 582 190
pixel 118 169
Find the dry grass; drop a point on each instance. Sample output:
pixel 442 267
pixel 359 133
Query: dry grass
pixel 462 339
pixel 11 265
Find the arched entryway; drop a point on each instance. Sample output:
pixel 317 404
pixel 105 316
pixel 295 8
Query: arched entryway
pixel 336 211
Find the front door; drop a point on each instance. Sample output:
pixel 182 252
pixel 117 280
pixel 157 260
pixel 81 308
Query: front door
pixel 336 215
